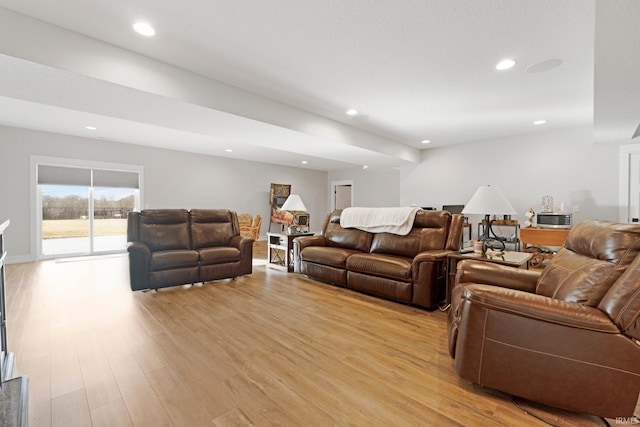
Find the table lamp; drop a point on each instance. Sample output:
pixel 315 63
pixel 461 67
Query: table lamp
pixel 489 200
pixel 294 203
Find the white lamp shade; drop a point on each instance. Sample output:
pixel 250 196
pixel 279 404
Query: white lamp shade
pixel 489 200
pixel 293 203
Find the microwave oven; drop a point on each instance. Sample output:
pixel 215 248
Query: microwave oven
pixel 553 220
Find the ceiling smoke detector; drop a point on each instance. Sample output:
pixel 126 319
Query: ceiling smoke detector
pixel 543 66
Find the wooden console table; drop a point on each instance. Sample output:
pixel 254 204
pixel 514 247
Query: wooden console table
pixel 536 237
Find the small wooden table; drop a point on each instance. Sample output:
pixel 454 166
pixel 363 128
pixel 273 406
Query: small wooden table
pixel 541 237
pixel 280 250
pixel 510 258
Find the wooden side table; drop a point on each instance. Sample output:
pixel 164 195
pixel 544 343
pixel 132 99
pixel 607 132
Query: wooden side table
pixel 541 237
pixel 509 258
pixel 280 250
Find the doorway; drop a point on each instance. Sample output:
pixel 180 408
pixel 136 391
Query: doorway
pixel 634 187
pixel 630 183
pixel 342 192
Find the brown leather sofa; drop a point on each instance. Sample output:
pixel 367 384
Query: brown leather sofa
pixel 567 336
pixel 408 269
pixel 169 247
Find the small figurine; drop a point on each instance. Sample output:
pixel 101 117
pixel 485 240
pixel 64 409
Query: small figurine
pixel 547 204
pixel 530 214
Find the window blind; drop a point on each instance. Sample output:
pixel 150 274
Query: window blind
pixel 61 175
pixel 64 175
pixel 115 179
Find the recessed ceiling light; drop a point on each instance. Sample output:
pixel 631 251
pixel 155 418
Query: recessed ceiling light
pixel 90 127
pixel 144 29
pixel 539 122
pixel 228 150
pixel 426 141
pixel 352 112
pixel 304 162
pixel 364 167
pixel 505 64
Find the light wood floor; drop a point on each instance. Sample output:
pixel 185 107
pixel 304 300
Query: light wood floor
pixel 266 349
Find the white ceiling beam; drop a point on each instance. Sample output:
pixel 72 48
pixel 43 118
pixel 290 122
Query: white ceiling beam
pixel 42 43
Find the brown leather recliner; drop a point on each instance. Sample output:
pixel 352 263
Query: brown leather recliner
pixel 566 337
pixel 169 247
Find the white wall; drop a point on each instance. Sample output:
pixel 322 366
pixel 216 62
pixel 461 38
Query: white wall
pixel 564 164
pixel 172 179
pixel 370 188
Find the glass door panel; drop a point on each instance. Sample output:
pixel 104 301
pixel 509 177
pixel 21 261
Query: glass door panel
pixel 65 219
pixel 110 209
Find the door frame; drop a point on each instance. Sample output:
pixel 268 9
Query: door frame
pixel 332 191
pixel 625 174
pixel 36 208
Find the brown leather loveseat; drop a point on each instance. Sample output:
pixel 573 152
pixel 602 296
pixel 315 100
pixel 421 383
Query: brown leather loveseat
pixel 565 337
pixel 408 269
pixel 169 247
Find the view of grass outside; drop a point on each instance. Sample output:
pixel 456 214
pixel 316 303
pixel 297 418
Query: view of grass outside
pixel 55 228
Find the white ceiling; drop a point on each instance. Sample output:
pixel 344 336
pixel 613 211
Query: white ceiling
pixel 414 69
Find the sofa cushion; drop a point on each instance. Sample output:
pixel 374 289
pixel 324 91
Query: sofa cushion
pixel 211 227
pixel 349 238
pixel 334 257
pixel 219 255
pixel 392 267
pixel 594 256
pixel 164 229
pixel 394 290
pixel 574 278
pixel 429 232
pixel 175 258
pixel 333 275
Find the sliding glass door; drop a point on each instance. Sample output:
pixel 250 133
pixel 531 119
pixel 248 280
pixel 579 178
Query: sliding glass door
pixel 84 210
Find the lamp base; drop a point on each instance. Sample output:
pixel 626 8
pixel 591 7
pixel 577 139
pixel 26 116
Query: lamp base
pixel 490 243
pixel 493 245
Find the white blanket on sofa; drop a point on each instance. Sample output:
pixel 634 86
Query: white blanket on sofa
pixel 380 220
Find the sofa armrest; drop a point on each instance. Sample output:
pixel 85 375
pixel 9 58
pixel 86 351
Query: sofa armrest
pixel 240 241
pixel 431 256
pixel 428 274
pixel 496 274
pixel 304 241
pixel 299 243
pixel 139 265
pixel 245 245
pixel 520 343
pixel 476 297
pixel 538 307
